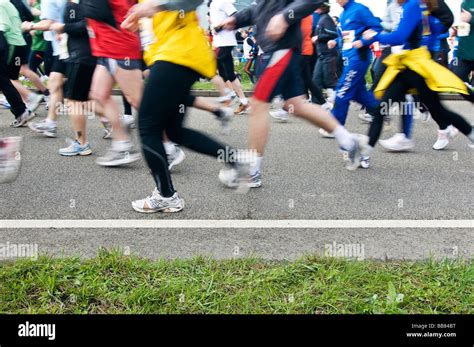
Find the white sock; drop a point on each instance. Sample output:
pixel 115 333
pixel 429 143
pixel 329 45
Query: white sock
pixel 170 147
pixel 121 146
pixel 256 166
pixel 244 101
pixel 50 122
pixel 344 138
pixel 367 151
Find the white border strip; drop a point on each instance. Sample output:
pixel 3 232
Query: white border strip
pixel 235 224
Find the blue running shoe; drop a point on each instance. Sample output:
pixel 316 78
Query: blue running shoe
pixel 75 148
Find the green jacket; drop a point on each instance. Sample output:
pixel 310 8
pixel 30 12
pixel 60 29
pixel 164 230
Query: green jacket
pixel 466 44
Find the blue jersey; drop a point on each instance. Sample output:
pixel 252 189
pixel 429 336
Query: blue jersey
pixel 356 19
pixel 417 28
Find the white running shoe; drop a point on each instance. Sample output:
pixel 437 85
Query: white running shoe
pixel 128 121
pixel 3 102
pixel 237 177
pixel 156 203
pixel 444 137
pixel 355 154
pixel 325 134
pixel 45 128
pixel 398 143
pixel 115 157
pixel 425 116
pixel 33 102
pixel 176 157
pixel 366 118
pixel 280 115
pixel 23 119
pixel 327 106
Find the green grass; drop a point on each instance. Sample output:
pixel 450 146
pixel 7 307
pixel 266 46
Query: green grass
pixel 112 283
pixel 239 69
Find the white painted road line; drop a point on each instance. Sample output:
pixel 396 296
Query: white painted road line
pixel 236 224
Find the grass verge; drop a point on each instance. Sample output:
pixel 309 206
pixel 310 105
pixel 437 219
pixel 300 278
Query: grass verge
pixel 112 283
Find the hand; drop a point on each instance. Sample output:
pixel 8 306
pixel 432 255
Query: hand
pixel 369 34
pixel 227 24
pixel 466 16
pixel 57 27
pixel 277 27
pixel 357 44
pixel 145 9
pixel 314 39
pixel 131 23
pixel 26 26
pixel 332 44
pixel 138 11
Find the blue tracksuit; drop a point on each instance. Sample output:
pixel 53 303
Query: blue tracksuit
pixel 355 19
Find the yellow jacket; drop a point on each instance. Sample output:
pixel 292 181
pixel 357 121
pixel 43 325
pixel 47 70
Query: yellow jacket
pixel 178 39
pixel 437 77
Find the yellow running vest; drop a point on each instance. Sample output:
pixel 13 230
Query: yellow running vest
pixel 438 78
pixel 176 37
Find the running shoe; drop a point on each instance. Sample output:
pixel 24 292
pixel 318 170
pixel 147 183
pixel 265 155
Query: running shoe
pixel 398 143
pixel 327 106
pixel 365 162
pixel 115 157
pixel 365 118
pixel 444 137
pixel 34 101
pixel 176 157
pixel 227 99
pixel 156 203
pixel 280 115
pixel 10 158
pixel 325 134
pixel 236 177
pixel 241 109
pixel 355 154
pixel 107 129
pixel 255 181
pixel 75 149
pixel 107 134
pixel 225 117
pixel 4 103
pixel 23 119
pixel 45 128
pixel 128 121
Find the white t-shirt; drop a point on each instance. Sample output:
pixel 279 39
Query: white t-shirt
pixel 53 10
pixel 218 12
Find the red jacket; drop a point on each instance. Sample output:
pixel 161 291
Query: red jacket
pixel 108 41
pixel 306 28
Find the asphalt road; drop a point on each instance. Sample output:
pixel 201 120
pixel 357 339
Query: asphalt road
pixel 304 179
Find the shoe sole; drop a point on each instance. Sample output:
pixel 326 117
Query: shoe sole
pixel 131 159
pixel 167 210
pixel 81 154
pixel 396 150
pixel 255 185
